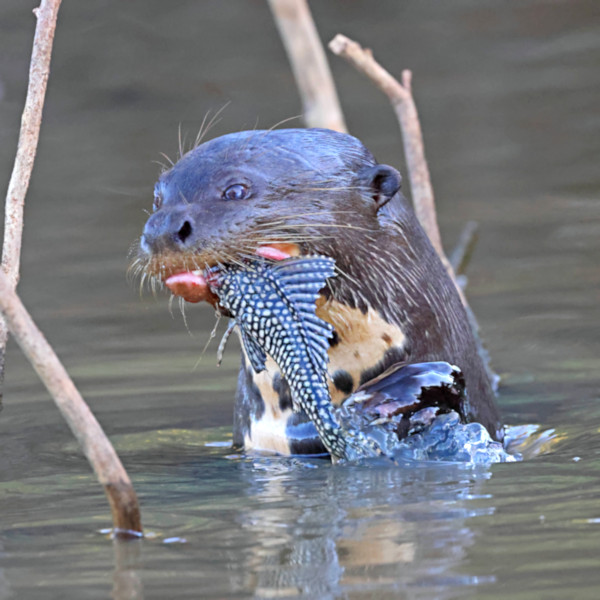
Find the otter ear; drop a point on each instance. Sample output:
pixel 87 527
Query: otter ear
pixel 383 181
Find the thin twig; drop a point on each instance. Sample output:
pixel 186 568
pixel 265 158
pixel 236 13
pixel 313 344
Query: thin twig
pixel 309 64
pixel 31 120
pixel 92 439
pixel 400 95
pixel 461 255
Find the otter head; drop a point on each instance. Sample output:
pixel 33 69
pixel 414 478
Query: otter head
pixel 272 193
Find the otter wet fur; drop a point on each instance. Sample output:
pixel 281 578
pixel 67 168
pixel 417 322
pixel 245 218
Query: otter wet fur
pixel 274 309
pixel 305 192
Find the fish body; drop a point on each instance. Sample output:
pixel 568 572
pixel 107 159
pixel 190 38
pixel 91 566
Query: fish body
pixel 274 306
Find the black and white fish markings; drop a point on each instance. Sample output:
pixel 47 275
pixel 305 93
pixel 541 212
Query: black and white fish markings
pixel 274 306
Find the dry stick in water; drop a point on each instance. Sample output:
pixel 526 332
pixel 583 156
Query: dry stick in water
pixel 96 446
pixel 309 64
pixel 28 140
pixel 400 95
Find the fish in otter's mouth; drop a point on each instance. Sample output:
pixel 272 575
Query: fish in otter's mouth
pixel 194 286
pixel 273 306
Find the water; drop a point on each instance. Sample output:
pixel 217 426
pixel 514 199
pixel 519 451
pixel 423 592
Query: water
pixel 509 96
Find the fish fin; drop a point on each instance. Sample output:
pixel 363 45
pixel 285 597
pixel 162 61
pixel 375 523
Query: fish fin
pixel 223 342
pixel 407 389
pixel 255 353
pixel 301 280
pixel 302 275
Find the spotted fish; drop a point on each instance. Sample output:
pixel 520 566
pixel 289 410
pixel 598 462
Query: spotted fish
pixel 273 306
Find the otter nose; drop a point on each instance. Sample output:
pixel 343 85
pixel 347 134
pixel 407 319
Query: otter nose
pixel 168 230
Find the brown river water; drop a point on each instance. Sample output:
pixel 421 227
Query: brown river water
pixel 509 96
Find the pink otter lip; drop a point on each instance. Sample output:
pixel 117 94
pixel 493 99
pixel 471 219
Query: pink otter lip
pixel 194 287
pixel 272 253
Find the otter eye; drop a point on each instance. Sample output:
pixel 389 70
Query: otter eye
pixel 237 191
pixel 157 202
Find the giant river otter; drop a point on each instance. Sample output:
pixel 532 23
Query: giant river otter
pixel 299 192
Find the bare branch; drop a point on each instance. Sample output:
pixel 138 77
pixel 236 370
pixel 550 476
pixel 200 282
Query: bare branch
pixel 31 120
pixel 94 443
pixel 309 64
pixel 400 95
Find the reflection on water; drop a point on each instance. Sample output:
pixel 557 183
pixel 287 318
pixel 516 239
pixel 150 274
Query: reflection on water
pixel 305 528
pixel 357 529
pixel 509 96
pixel 127 582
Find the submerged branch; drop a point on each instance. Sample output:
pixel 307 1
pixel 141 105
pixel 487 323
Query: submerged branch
pixel 461 255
